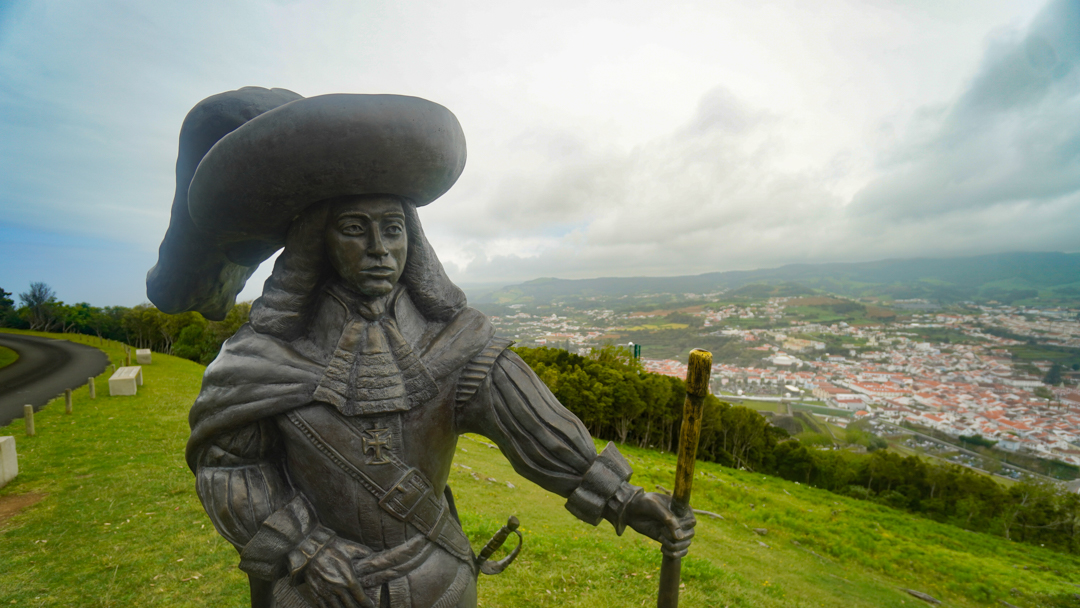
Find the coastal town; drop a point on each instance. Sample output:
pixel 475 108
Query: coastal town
pixel 952 370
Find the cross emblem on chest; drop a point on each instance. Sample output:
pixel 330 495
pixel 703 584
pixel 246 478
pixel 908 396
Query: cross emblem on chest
pixel 374 441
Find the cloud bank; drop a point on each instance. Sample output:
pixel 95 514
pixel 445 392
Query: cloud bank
pixel 605 139
pixel 997 168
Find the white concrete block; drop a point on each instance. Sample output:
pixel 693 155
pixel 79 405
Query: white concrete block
pixel 125 381
pixel 9 461
pixel 142 356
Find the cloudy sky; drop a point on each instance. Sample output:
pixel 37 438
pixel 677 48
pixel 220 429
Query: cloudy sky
pixel 613 138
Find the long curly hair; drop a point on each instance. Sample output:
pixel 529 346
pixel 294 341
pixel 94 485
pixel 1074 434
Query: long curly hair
pixel 302 270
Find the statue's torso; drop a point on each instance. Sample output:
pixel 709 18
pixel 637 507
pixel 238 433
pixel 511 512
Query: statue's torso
pixel 379 479
pixel 423 438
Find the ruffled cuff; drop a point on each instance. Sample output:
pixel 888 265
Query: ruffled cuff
pixel 299 557
pixel 604 479
pixel 285 543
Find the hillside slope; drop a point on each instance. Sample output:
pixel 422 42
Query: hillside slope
pixel 1004 277
pixel 116 523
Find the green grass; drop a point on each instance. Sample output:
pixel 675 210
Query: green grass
pixel 7 356
pixel 119 524
pixel 657 327
pixel 1058 354
pixel 760 406
pixel 822 410
pixel 119 461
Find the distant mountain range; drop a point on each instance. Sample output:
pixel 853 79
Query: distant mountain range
pixel 1010 278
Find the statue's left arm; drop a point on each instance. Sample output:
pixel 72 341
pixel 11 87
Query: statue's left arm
pixel 500 397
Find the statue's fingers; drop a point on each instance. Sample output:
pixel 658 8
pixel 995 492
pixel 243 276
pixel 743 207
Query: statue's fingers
pixel 682 533
pixel 345 597
pixel 671 523
pixel 325 591
pixel 358 594
pixel 675 548
pixel 674 530
pixel 676 542
pixel 681 545
pixel 673 552
pixel 355 551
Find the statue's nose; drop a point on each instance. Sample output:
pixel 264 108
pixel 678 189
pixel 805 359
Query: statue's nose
pixel 376 247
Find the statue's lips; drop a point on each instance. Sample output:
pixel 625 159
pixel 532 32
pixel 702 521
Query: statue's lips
pixel 379 272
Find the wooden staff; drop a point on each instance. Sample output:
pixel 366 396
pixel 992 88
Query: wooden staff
pixel 697 386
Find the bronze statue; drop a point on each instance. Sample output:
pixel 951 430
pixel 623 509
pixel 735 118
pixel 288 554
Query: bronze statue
pixel 324 433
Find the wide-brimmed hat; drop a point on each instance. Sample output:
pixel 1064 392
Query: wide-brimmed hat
pixel 254 159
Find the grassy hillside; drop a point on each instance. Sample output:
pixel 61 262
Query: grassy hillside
pixel 117 523
pixel 1008 277
pixel 7 356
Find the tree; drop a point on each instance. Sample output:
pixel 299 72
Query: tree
pixel 77 318
pixel 658 394
pixel 1053 377
pixel 694 321
pixel 142 326
pixel 8 318
pixel 628 394
pixel 39 306
pixel 617 401
pixel 1028 508
pixel 192 342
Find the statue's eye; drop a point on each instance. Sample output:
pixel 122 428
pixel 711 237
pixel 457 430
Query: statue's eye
pixel 352 229
pixel 393 230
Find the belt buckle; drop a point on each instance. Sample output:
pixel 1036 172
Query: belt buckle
pixel 405 495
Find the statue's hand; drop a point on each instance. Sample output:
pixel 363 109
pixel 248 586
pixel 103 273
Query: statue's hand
pixel 650 514
pixel 330 575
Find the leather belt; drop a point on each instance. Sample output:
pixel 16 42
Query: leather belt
pixel 402 490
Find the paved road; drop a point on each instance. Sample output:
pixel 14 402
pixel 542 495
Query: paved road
pixel 45 368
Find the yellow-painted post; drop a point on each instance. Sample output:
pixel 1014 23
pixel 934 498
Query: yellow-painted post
pixel 697 387
pixel 67 401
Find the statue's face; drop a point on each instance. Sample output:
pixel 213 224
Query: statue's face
pixel 367 244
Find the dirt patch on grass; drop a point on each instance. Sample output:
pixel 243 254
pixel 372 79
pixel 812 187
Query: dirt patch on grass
pixel 877 312
pixel 649 313
pixel 12 504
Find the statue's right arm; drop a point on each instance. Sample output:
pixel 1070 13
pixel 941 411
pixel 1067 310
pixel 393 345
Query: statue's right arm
pixel 548 445
pixel 545 442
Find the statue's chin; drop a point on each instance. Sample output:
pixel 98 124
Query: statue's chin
pixel 372 288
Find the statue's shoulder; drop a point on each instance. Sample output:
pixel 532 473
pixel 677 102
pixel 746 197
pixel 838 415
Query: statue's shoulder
pixel 248 342
pixel 254 376
pixel 469 346
pixel 457 342
pixel 251 356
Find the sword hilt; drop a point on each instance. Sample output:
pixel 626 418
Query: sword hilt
pixel 493 545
